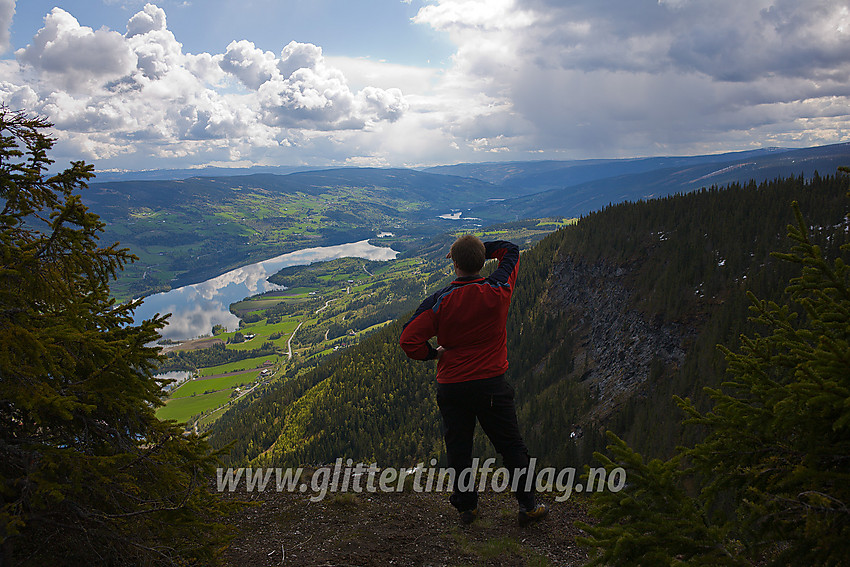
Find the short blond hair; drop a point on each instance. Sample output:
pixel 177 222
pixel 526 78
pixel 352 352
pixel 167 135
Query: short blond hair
pixel 468 253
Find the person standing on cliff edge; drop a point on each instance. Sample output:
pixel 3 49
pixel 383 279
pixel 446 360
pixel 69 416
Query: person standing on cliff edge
pixel 468 318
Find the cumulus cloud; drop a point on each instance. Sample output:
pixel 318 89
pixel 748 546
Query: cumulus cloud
pixel 151 18
pixel 76 56
pixel 299 89
pixel 297 56
pixel 111 94
pixel 250 65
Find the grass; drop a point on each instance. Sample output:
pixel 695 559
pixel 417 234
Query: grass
pixel 491 550
pixel 373 327
pixel 181 409
pixel 256 304
pixel 262 331
pixel 344 499
pixel 247 364
pixel 499 547
pixel 556 222
pixel 225 382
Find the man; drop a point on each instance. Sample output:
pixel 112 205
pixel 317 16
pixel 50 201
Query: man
pixel 468 318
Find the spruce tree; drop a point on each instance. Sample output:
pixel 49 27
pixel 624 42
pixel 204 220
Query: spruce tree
pixel 88 474
pixel 770 482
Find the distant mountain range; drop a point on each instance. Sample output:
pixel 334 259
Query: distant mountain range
pixel 528 188
pixel 574 188
pixel 188 229
pixel 175 174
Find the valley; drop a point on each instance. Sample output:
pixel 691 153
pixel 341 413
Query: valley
pixel 186 230
pixel 326 307
pixel 293 346
pixel 613 316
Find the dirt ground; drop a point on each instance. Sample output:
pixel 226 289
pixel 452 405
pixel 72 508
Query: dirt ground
pixel 417 529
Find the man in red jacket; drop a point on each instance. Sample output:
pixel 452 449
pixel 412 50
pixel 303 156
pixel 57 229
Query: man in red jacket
pixel 468 318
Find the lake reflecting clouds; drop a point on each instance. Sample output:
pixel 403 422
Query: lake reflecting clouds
pixel 196 308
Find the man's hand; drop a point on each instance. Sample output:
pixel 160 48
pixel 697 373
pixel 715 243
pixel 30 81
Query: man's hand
pixel 440 351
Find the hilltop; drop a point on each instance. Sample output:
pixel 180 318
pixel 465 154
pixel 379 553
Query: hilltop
pixel 406 528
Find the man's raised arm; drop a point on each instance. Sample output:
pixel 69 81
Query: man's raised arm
pixel 507 253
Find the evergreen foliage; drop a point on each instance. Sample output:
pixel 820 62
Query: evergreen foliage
pixel 87 473
pixel 771 474
pixel 366 403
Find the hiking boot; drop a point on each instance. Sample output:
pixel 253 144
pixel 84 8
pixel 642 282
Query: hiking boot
pixel 468 516
pixel 536 514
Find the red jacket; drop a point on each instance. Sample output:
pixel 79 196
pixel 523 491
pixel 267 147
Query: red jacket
pixel 468 318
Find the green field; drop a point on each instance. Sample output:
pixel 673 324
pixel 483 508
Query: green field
pixel 181 409
pixel 224 382
pixel 247 364
pixel 263 333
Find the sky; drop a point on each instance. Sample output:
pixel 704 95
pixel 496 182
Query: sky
pixel 134 85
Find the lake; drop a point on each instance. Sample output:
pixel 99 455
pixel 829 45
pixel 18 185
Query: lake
pixel 196 308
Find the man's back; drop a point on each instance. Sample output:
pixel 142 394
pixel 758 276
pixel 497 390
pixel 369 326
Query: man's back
pixel 468 318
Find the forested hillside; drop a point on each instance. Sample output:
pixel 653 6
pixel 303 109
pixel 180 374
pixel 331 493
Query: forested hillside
pixel 633 300
pixel 610 318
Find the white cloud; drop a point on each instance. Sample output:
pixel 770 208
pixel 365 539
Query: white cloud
pixel 367 161
pixel 151 18
pixel 7 12
pixel 76 57
pixel 297 56
pixel 250 65
pixel 300 90
pixel 384 104
pixel 571 79
pixel 118 97
pixel 18 96
pixel 475 14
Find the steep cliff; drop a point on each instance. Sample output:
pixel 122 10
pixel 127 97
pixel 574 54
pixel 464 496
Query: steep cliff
pixel 618 345
pixel 632 302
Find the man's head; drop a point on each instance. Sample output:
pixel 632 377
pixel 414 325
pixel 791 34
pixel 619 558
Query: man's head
pixel 468 255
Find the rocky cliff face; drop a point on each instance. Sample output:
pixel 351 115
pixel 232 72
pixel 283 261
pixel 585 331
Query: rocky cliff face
pixel 618 348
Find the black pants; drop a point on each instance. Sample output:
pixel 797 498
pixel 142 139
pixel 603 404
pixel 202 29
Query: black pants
pixel 491 401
